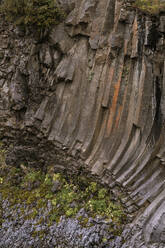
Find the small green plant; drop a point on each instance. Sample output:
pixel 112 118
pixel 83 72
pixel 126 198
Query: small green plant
pixel 104 239
pixel 102 193
pixel 92 187
pixel 71 212
pixel 150 6
pixel 38 13
pixel 33 176
pixel 90 76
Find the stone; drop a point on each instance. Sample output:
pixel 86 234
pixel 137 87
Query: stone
pixel 94 42
pixel 18 91
pixel 65 70
pixel 162 24
pixel 68 5
pixel 116 41
pixel 56 186
pixel 60 38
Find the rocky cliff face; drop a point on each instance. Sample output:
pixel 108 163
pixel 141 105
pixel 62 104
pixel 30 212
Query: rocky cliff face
pixel 89 96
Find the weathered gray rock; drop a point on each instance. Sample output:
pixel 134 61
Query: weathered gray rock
pixel 18 91
pixel 69 231
pixel 60 38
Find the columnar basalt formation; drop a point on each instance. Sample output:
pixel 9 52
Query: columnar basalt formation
pixel 90 95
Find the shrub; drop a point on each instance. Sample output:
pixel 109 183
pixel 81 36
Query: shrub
pixel 150 6
pixel 38 13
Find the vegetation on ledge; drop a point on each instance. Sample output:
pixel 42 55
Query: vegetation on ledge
pixel 38 13
pixel 150 6
pixel 33 189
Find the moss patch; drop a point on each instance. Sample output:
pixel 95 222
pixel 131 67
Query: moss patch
pixel 150 6
pixel 34 190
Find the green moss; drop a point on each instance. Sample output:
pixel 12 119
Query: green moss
pixel 38 13
pixel 102 193
pixel 71 212
pixel 68 200
pixel 150 6
pixel 1 180
pixel 2 156
pixel 104 240
pixel 83 221
pixel 39 234
pixel 33 176
pixel 90 76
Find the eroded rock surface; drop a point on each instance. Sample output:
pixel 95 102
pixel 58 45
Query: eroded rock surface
pixel 90 96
